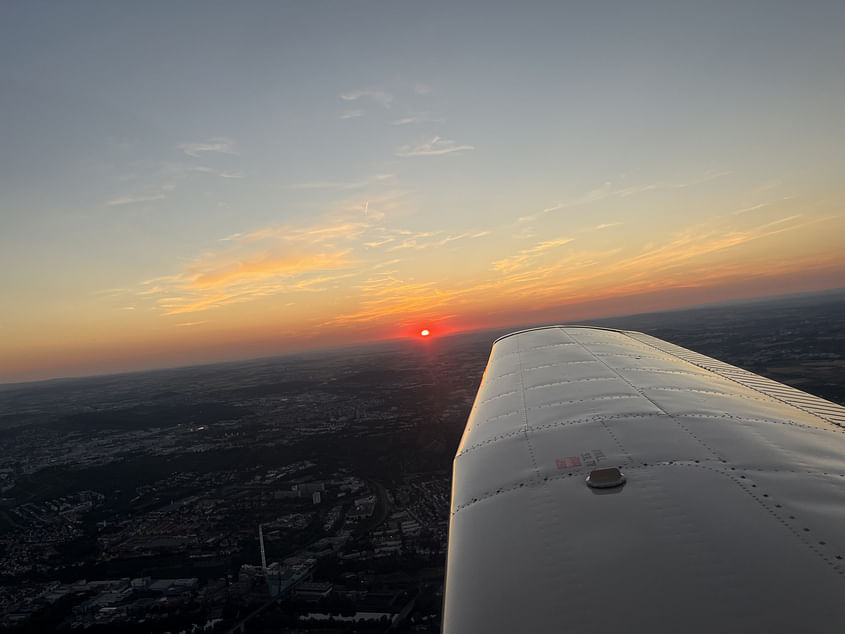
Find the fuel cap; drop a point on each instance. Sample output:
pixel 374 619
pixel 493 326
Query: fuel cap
pixel 605 478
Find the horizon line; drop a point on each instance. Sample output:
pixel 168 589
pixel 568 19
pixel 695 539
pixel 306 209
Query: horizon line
pixel 371 342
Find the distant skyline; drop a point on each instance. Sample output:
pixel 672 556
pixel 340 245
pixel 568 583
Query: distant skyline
pixel 196 182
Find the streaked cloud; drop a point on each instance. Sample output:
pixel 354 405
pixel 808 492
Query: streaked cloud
pixel 173 172
pixel 134 199
pixel 352 240
pixel 328 185
pixel 273 260
pixel 604 225
pixel 435 147
pixel 376 179
pixel 527 256
pixel 745 210
pixel 415 117
pixel 347 258
pixel 216 145
pixel 232 272
pixel 697 242
pixel 167 176
pixel 610 190
pixel 112 292
pixel 352 114
pixel 381 97
pixel 540 274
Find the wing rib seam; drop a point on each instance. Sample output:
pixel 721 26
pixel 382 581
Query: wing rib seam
pixel 649 399
pixel 696 358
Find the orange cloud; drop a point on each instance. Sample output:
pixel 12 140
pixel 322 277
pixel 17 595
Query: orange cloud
pixel 526 256
pixel 537 277
pixel 266 265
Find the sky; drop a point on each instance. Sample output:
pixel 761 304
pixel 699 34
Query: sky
pixel 200 181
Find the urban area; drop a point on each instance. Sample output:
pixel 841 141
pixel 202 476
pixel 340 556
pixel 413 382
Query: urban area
pixel 299 493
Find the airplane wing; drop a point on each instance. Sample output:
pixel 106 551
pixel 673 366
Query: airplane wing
pixel 716 500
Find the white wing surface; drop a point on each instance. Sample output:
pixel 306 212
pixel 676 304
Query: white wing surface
pixel 731 517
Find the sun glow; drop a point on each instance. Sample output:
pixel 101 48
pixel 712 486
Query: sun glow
pixel 425 332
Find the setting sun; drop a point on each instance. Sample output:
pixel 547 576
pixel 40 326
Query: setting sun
pixel 424 332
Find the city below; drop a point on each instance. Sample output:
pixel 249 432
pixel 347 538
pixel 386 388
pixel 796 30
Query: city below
pixel 296 493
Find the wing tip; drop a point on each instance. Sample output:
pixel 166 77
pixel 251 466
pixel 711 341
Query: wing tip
pixel 556 326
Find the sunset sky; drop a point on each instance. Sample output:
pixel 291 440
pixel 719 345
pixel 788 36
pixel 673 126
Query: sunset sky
pixel 192 182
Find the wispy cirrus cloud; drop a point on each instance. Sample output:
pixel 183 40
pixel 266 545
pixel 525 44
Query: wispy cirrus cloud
pixel 699 241
pixel 172 172
pixel 381 97
pixel 262 265
pixel 435 147
pixel 609 190
pixel 352 114
pixel 335 253
pixel 538 277
pixel 602 226
pixel 229 277
pixel 377 179
pixel 388 297
pixel 133 199
pixel 749 208
pixel 215 145
pixel 112 292
pixel 415 117
pixel 274 260
pixel 425 239
pixel 268 261
pixel 328 185
pixel 527 256
pixel 745 210
pixel 166 176
pixel 350 253
pixel 463 236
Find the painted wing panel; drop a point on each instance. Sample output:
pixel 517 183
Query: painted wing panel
pixel 730 520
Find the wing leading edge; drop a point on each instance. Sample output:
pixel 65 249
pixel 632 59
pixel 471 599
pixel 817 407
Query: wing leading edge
pixel 731 517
